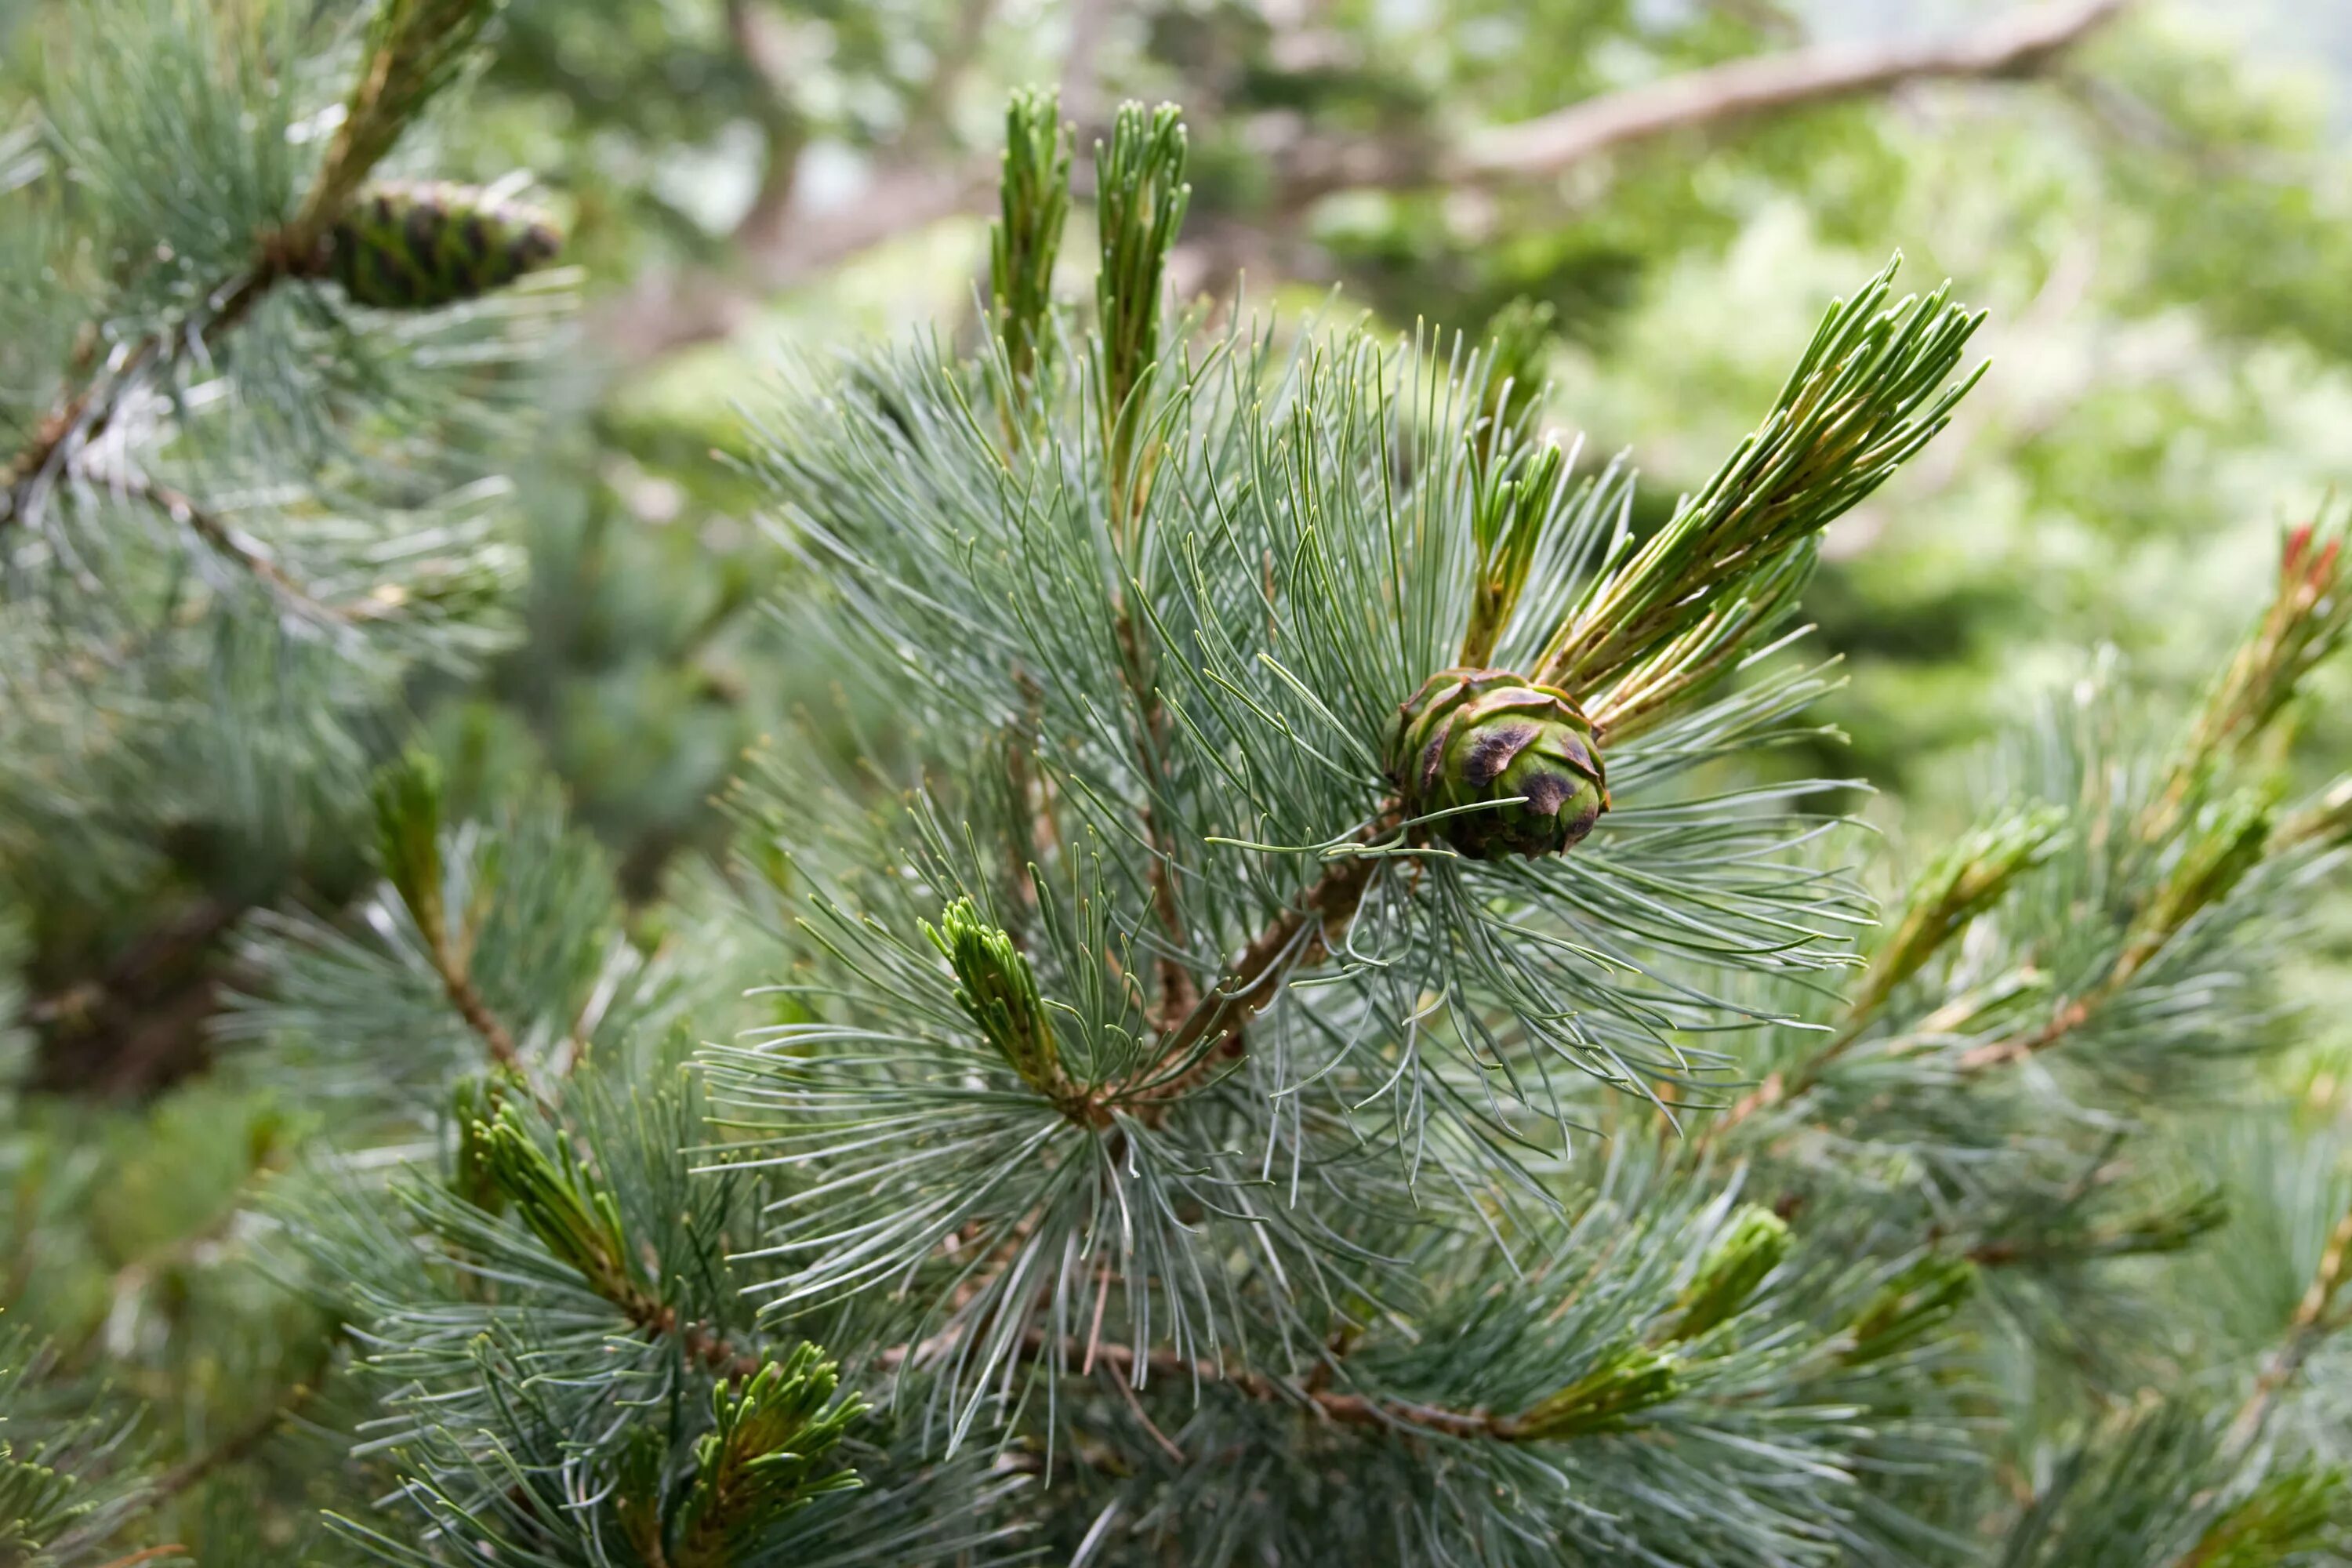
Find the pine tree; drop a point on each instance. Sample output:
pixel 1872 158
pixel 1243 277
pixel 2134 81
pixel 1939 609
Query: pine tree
pixel 1313 1039
pixel 248 501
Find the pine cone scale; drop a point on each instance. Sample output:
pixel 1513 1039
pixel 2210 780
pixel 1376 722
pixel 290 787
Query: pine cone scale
pixel 1492 749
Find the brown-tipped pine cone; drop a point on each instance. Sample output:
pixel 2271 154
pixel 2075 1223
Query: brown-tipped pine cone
pixel 1471 736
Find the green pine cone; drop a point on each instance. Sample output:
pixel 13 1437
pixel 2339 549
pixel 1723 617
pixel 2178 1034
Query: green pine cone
pixel 1470 736
pixel 412 247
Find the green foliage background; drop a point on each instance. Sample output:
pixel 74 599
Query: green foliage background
pixel 2159 227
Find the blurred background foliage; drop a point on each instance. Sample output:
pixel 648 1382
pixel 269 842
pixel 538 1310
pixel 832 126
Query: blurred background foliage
pixel 2157 220
pixel 2157 214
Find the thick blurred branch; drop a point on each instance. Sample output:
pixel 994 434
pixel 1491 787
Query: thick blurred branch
pixel 760 39
pixel 911 190
pixel 140 1023
pixel 2018 44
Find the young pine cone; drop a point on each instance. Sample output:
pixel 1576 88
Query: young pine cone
pixel 1470 736
pixel 406 246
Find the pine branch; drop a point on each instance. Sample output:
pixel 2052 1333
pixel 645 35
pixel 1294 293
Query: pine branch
pixel 415 49
pixel 1141 196
pixel 1032 840
pixel 1347 1409
pixel 1873 388
pixel 1026 241
pixel 2205 876
pixel 2305 622
pixel 1178 995
pixel 578 1218
pixel 1512 515
pixel 147 1554
pixel 1300 937
pixel 767 1456
pixel 1724 639
pixel 234 545
pixel 764 43
pixel 2315 1319
pixel 463 995
pixel 998 988
pixel 1624 1381
pixel 408 810
pixel 2224 851
pixel 88 414
pixel 1344 1409
pixel 1958 885
pixel 2323 822
pixel 1520 339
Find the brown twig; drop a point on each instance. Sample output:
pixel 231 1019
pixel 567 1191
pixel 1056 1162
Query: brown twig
pixel 148 1554
pixel 464 995
pixel 1300 936
pixel 2312 1323
pixel 2071 1016
pixel 1780 1088
pixel 1178 995
pixel 141 1022
pixel 759 37
pixel 88 414
pixel 1345 1409
pixel 407 64
pixel 215 532
pixel 193 927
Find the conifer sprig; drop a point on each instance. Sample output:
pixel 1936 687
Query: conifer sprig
pixel 2211 860
pixel 577 1218
pixel 1751 1246
pixel 415 49
pixel 70 1480
pixel 1514 511
pixel 1519 338
pixel 1873 387
pixel 770 1453
pixel 2184 849
pixel 1321 1259
pixel 156 104
pixel 997 986
pixel 2305 622
pixel 1139 200
pixel 492 942
pixel 1958 885
pixel 408 813
pixel 1026 241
